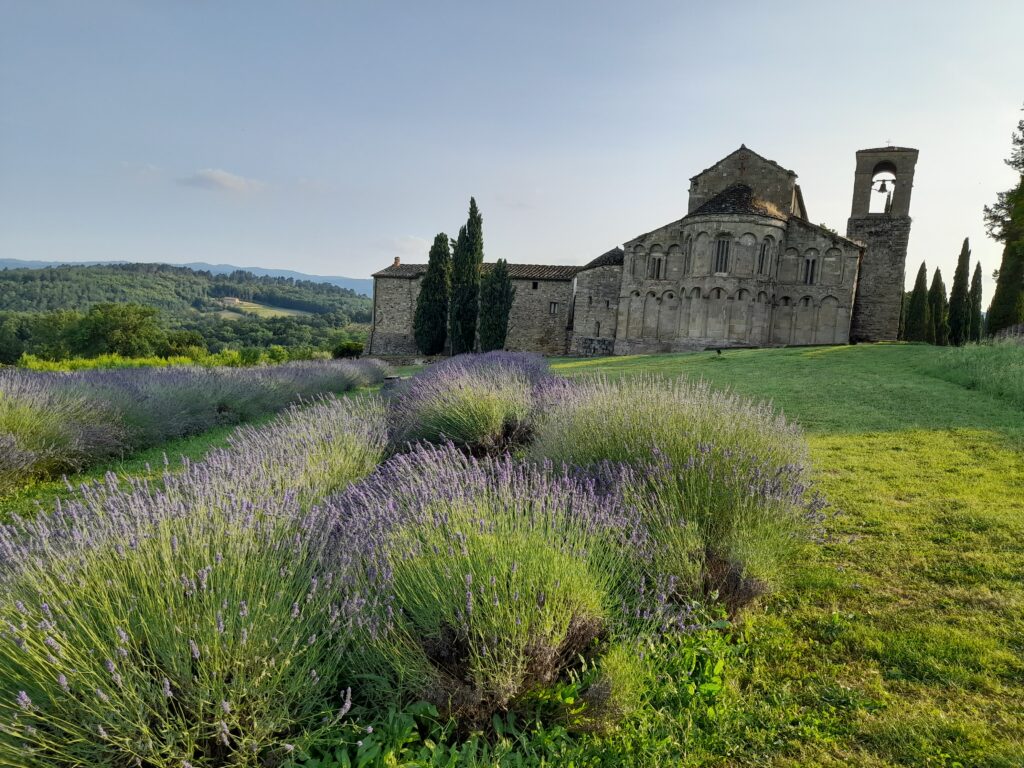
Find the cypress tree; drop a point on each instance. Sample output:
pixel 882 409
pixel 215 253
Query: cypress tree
pixel 919 319
pixel 430 323
pixel 960 299
pixel 496 295
pixel 975 334
pixel 466 262
pixel 1007 307
pixel 939 307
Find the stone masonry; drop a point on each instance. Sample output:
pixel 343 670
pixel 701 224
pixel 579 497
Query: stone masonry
pixel 744 267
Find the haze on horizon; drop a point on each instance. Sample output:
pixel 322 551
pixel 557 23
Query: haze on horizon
pixel 331 137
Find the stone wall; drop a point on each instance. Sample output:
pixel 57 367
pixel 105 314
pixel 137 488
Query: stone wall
pixel 394 306
pixel 876 312
pixel 533 324
pixel 769 181
pixel 584 346
pixel 597 307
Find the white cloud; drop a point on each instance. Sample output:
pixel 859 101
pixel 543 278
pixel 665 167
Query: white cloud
pixel 223 181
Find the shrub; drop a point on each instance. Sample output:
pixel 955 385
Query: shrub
pixel 196 625
pixel 481 403
pixel 347 349
pixel 721 481
pixel 484 581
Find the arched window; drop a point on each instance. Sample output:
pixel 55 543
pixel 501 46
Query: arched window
pixel 764 259
pixel 722 246
pixel 883 184
pixel 810 270
pixel 597 329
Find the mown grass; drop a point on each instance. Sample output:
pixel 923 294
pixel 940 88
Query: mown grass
pixel 902 642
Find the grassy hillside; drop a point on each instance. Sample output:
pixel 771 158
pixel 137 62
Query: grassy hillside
pixel 176 291
pixel 902 645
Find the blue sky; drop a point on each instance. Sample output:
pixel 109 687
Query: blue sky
pixel 330 137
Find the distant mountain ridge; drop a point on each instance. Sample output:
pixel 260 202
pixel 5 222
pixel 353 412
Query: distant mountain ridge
pixel 363 286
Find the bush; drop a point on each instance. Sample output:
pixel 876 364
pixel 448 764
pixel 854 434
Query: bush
pixel 347 349
pixel 199 625
pixel 488 580
pixel 721 481
pixel 482 403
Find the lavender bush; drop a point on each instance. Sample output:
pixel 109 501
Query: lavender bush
pixel 722 481
pixel 195 624
pixel 481 580
pixel 62 422
pixel 481 403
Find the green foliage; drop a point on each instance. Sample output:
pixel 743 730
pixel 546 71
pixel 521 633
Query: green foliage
pixel 466 262
pixel 975 298
pixel 430 323
pixel 960 299
pixel 919 326
pixel 1007 307
pixel 207 642
pixel 701 459
pixel 175 291
pixel 496 296
pixel 994 368
pixel 938 306
pixel 1003 218
pixel 347 349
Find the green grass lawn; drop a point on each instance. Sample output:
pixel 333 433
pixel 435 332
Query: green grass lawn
pixel 903 642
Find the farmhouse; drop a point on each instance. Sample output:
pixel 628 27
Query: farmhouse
pixel 744 267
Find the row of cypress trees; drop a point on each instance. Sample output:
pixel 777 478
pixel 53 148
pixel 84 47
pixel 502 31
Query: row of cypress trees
pixel 456 298
pixel 932 317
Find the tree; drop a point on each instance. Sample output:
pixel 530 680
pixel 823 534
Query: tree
pixel 919 320
pixel 960 299
pixel 496 295
pixel 466 262
pixel 1005 222
pixel 130 330
pixel 975 334
pixel 939 308
pixel 430 323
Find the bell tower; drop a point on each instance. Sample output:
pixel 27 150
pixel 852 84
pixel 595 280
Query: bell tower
pixel 880 218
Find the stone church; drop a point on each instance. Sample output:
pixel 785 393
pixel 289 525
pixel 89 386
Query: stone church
pixel 745 267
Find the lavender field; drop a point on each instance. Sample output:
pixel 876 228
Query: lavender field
pixel 52 423
pixel 485 565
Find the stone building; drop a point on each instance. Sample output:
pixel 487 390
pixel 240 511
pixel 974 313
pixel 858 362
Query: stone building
pixel 744 267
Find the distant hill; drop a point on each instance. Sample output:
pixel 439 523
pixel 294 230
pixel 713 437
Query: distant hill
pixel 362 286
pixel 179 292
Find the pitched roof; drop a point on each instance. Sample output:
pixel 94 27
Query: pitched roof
pixel 612 258
pixel 744 148
pixel 516 271
pixel 738 198
pixel 827 232
pixel 888 149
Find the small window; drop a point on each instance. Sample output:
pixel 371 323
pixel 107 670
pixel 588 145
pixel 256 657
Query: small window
pixel 535 285
pixel 688 256
pixel 722 254
pixel 553 308
pixel 597 329
pixel 590 300
pixel 607 303
pixel 655 268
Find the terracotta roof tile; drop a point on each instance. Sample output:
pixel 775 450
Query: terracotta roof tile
pixel 516 271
